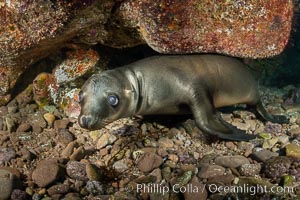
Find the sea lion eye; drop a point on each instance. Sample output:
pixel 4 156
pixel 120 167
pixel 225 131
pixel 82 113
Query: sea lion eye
pixel 112 100
pixel 80 96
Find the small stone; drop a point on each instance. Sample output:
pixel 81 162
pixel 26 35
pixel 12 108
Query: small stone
pixel 3 111
pixel 240 125
pixel 276 167
pixel 72 196
pixel 6 154
pixel 166 173
pixel 64 136
pixel 250 169
pixel 269 143
pixel 95 187
pixel 7 181
pixel 157 174
pixel 19 195
pixel 273 128
pixel 93 173
pixel 36 128
pixel 263 155
pixel 292 150
pixel 120 166
pixel 37 119
pixel 61 124
pixel 148 162
pixel 58 189
pixel 77 170
pixel 24 127
pixel 78 154
pixel 46 173
pixel 183 179
pixel 265 136
pixel 198 192
pixel 165 142
pixel 294 131
pixel 210 170
pixel 221 180
pixel 283 139
pixel 173 158
pixel 67 152
pixel 231 161
pixel 106 139
pixel 49 117
pixel 155 195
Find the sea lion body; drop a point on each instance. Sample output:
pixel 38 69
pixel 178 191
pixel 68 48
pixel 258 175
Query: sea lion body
pixel 172 85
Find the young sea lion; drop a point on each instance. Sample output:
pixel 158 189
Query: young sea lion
pixel 173 85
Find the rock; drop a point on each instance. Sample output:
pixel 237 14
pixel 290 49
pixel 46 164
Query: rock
pixel 226 179
pixel 240 125
pixel 208 24
pixel 269 143
pixel 250 169
pixel 78 154
pixel 46 173
pixel 64 136
pixel 157 174
pixel 292 150
pixel 231 161
pixel 165 143
pixel 72 196
pixel 273 127
pixel 210 170
pixel 198 191
pixel 19 195
pixel 58 189
pixel 120 166
pixel 263 155
pixel 69 149
pixel 24 127
pixel 160 195
pixel 95 187
pixel 277 167
pixel 61 124
pixel 37 119
pixel 6 154
pixel 93 173
pixel 77 170
pixel 49 117
pixel 7 183
pixel 124 195
pixel 148 162
pixel 106 139
pixel 182 180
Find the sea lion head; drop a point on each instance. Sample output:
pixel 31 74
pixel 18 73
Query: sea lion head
pixel 104 98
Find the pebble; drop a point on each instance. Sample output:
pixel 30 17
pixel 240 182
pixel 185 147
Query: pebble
pixel 250 169
pixel 24 127
pixel 18 194
pixel 231 161
pixel 149 161
pixel 225 179
pixel 77 170
pixel 61 124
pixel 292 150
pixel 269 143
pixel 157 174
pixel 240 125
pixel 166 173
pixel 64 136
pixel 276 167
pixel 49 117
pixel 37 119
pixel 183 179
pixel 93 172
pixel 7 181
pixel 263 155
pixel 173 157
pixel 95 187
pixel 46 173
pixel 165 142
pixel 120 166
pixel 67 152
pixel 211 170
pixel 157 194
pixel 58 189
pixel 105 139
pixel 72 196
pixel 273 127
pixel 199 192
pixel 283 139
pixel 6 154
pixel 78 154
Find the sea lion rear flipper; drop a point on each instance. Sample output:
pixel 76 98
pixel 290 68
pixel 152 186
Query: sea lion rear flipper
pixel 210 123
pixel 281 119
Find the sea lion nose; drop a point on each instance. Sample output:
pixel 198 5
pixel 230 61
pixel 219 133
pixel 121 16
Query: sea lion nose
pixel 84 121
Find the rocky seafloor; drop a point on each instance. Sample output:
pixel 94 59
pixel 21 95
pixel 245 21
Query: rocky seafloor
pixel 46 155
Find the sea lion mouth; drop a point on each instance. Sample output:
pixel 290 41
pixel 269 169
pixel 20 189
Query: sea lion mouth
pixel 99 124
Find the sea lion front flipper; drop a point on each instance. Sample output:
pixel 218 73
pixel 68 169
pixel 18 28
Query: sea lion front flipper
pixel 210 123
pixel 281 119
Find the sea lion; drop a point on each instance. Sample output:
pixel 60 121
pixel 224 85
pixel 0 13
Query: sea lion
pixel 173 85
